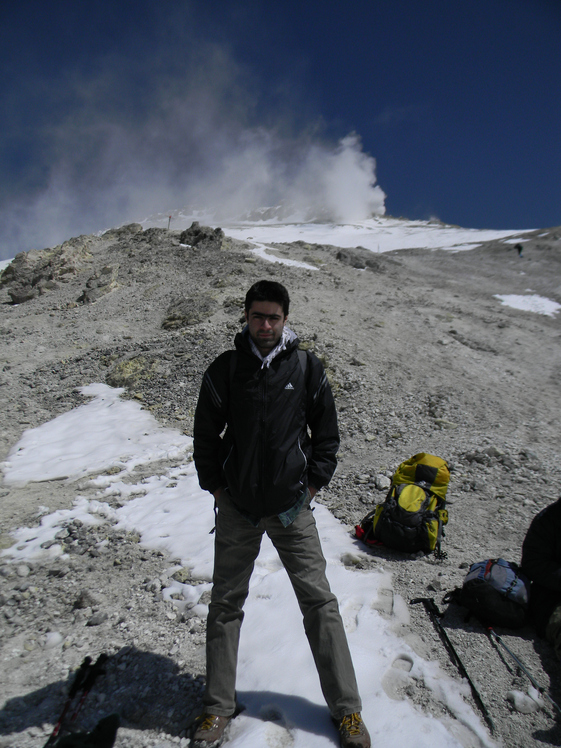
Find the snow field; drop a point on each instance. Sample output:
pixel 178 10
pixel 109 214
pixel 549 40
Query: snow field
pixel 277 679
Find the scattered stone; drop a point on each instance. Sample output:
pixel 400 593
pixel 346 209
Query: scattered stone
pixel 131 372
pixel 445 424
pixel 382 482
pixel 97 619
pixel 522 702
pixel 493 451
pixel 182 575
pixel 53 639
pixel 99 284
pixel 154 586
pixel 186 312
pixel 6 541
pixel 123 232
pixel 87 599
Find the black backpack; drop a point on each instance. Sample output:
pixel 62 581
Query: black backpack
pixel 496 592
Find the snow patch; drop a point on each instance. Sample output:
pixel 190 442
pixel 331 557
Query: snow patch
pixel 531 303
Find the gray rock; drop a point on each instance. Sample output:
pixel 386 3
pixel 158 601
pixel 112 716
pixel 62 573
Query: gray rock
pixel 202 237
pixel 155 585
pixel 186 312
pixel 87 599
pixel 382 482
pixel 493 451
pixel 37 271
pixel 123 232
pixel 97 619
pixel 443 423
pixel 99 284
pixel 361 258
pixel 132 371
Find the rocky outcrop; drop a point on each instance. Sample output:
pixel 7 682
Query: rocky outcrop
pixel 131 371
pixel 188 311
pixel 202 237
pixel 99 284
pixel 361 259
pixel 33 273
pixel 123 232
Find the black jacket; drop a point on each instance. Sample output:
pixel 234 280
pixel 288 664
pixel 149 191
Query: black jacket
pixel 266 458
pixel 541 562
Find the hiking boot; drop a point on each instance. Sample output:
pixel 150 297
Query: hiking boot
pixel 210 731
pixel 353 733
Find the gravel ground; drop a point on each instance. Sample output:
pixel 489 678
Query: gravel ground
pixel 421 357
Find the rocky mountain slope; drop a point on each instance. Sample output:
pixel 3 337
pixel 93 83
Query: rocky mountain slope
pixel 421 357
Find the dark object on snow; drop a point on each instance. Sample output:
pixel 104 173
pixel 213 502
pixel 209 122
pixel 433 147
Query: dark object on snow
pixel 435 616
pixel 102 736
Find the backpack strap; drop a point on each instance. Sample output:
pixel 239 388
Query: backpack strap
pixel 303 358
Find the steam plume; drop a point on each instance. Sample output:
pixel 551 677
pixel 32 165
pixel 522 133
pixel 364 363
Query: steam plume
pixel 194 141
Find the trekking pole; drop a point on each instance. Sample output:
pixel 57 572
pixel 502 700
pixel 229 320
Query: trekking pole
pixel 435 616
pixel 495 637
pixel 74 688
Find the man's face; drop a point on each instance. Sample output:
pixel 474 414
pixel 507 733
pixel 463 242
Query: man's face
pixel 265 320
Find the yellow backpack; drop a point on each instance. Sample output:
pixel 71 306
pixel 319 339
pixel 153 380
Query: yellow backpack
pixel 412 517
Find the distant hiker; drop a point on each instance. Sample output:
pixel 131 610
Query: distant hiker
pixel 541 562
pixel 263 474
pixel 519 248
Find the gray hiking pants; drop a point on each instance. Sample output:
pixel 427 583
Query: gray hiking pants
pixel 237 544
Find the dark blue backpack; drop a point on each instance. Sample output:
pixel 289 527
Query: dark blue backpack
pixel 496 592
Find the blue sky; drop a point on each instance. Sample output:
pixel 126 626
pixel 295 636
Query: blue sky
pixel 114 110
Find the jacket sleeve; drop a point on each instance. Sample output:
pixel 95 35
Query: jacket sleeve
pixel 210 419
pixel 322 421
pixel 541 550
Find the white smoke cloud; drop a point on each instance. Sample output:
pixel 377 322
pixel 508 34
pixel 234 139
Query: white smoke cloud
pixel 193 140
pixel 343 182
pixel 310 180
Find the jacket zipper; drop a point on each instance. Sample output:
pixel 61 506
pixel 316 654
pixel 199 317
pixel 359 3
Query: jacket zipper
pixel 227 457
pixel 262 433
pixel 303 455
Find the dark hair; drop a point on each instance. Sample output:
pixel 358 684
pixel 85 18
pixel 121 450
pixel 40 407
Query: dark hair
pixel 265 290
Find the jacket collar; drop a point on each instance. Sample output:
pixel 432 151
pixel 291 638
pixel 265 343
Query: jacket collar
pixel 287 342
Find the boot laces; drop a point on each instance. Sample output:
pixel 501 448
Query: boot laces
pixel 208 722
pixel 352 723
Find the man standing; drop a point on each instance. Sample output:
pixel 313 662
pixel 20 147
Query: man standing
pixel 263 474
